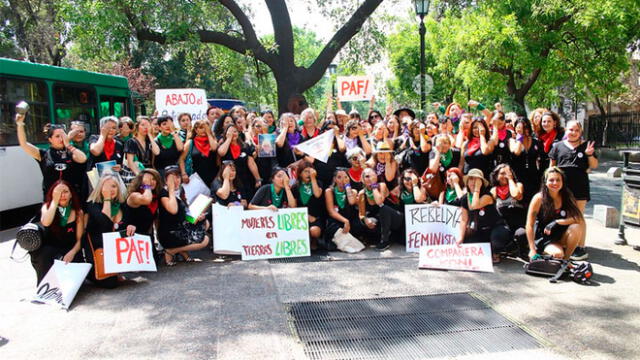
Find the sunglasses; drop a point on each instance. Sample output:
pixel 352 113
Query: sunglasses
pixel 227 162
pixel 375 116
pixel 406 178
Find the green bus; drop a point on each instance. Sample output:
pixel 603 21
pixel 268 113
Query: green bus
pixel 55 95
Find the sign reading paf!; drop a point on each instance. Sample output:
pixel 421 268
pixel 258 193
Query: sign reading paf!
pixel 123 254
pixel 355 88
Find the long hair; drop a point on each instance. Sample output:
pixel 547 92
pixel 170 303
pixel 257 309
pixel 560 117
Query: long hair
pixel 237 182
pixel 547 209
pixel 536 127
pixel 96 194
pixel 196 125
pixel 493 178
pixel 135 184
pixel 483 124
pixel 556 122
pixel 217 127
pixel 74 201
pixel 407 171
pixel 139 119
pixel 526 125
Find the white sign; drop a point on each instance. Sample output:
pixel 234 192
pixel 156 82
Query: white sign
pixel 226 222
pixel 267 234
pixel 319 147
pixel 61 283
pixel 124 254
pixel 195 187
pixel 469 257
pixel 429 225
pixel 173 102
pixel 355 88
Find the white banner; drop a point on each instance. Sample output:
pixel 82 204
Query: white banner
pixel 226 224
pixel 355 88
pixel 429 225
pixel 124 254
pixel 61 283
pixel 267 234
pixel 319 147
pixel 173 102
pixel 469 257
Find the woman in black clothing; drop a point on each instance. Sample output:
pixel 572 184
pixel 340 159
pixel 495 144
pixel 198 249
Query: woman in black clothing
pixel 410 191
pixel 274 196
pixel 377 212
pixel 221 124
pixel 141 208
pixel 444 157
pixel 175 234
pixel 308 192
pixel 356 137
pixel 509 193
pixel 227 188
pixel 336 157
pixel 170 145
pixel 500 137
pixel 341 206
pixel 555 224
pixel 139 150
pixel 232 148
pixel 62 218
pixel 201 147
pixel 526 153
pixel 384 164
pixel 287 139
pixel 454 188
pixel 550 133
pixel 265 164
pixel 480 221
pixel 104 215
pixel 61 161
pixel 105 147
pixel 356 159
pixel 478 151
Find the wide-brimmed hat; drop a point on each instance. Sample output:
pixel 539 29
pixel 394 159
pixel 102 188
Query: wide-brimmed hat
pixel 411 112
pixel 382 147
pixel 477 173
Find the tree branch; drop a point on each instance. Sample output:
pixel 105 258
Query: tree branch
pixel 283 31
pixel 338 41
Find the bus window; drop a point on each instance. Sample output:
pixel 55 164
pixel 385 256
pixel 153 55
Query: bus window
pixel 75 103
pixel 12 91
pixel 116 106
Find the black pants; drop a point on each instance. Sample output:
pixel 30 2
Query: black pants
pixel 42 259
pixel 499 236
pixel 390 220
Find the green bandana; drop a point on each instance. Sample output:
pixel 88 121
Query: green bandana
pixel 83 146
pixel 369 194
pixel 305 192
pixel 125 138
pixel 271 129
pixel 445 159
pixel 165 140
pixel 451 195
pixel 276 199
pixel 65 212
pixel 470 198
pixel 341 197
pixel 115 207
pixel 407 197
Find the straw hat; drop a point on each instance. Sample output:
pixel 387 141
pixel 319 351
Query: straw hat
pixel 382 147
pixel 477 173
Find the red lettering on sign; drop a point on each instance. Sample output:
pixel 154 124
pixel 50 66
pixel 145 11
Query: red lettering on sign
pixel 122 245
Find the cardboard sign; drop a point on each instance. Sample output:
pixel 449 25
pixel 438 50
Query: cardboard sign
pixel 469 257
pixel 429 225
pixel 226 224
pixel 319 147
pixel 173 102
pixel 61 283
pixel 355 88
pixel 267 234
pixel 267 145
pixel 124 254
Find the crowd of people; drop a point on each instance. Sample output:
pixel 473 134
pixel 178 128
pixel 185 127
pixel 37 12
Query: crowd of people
pixel 521 183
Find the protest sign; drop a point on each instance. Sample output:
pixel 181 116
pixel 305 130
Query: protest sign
pixel 267 145
pixel 61 283
pixel 123 254
pixel 355 88
pixel 319 147
pixel 195 187
pixel 429 225
pixel 226 224
pixel 173 102
pixel 197 207
pixel 267 234
pixel 469 257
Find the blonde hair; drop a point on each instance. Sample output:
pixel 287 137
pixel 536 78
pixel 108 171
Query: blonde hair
pixel 303 114
pixel 96 194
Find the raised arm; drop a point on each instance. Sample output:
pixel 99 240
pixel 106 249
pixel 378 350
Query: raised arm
pixel 29 148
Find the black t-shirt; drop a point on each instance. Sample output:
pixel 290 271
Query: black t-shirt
pixel 169 222
pixel 117 153
pixel 284 154
pixel 315 206
pixel 263 197
pixel 502 153
pixel 242 166
pixel 567 157
pixel 142 153
pixel 141 217
pixel 234 195
pixel 205 166
pixel 417 160
pixel 99 223
pixel 59 164
pixel 455 161
pixel 166 157
pixel 486 217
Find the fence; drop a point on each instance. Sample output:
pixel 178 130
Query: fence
pixel 622 129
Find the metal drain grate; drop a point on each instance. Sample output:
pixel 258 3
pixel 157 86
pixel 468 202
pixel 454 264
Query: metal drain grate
pixel 414 327
pixel 319 255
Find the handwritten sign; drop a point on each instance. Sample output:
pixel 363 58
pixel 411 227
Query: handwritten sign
pixel 429 225
pixel 173 102
pixel 355 88
pixel 469 257
pixel 267 234
pixel 123 254
pixel 61 283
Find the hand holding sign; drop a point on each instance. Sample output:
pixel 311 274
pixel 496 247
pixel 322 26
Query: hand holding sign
pixel 123 254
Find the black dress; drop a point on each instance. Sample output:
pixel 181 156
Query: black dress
pixel 241 163
pixel 55 245
pixel 575 163
pixel 170 225
pixel 234 195
pixel 205 166
pixel 98 224
pixel 502 153
pixel 478 160
pixel 284 154
pixel 486 225
pixel 166 157
pixel 59 165
pixel 526 168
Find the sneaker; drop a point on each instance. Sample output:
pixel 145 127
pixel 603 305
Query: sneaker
pixel 382 246
pixel 579 254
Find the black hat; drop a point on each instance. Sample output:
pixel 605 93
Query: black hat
pixel 411 112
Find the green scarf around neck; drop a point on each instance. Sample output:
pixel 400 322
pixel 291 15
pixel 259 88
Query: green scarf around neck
pixel 451 195
pixel 340 196
pixel 306 191
pixel 276 199
pixel 165 140
pixel 369 194
pixel 407 197
pixel 83 146
pixel 445 159
pixel 115 207
pixel 64 212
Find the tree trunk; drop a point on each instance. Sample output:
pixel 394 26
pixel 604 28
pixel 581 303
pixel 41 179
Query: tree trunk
pixel 286 86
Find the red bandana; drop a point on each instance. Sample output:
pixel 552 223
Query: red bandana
pixel 473 146
pixel 356 175
pixel 306 135
pixel 109 148
pixel 502 191
pixel 153 206
pixel 547 139
pixel 502 134
pixel 235 150
pixel 202 144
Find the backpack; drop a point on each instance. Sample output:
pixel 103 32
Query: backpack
pixel 547 266
pixel 581 273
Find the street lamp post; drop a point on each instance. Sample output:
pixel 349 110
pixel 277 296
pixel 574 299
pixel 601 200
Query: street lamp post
pixel 422 9
pixel 332 71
